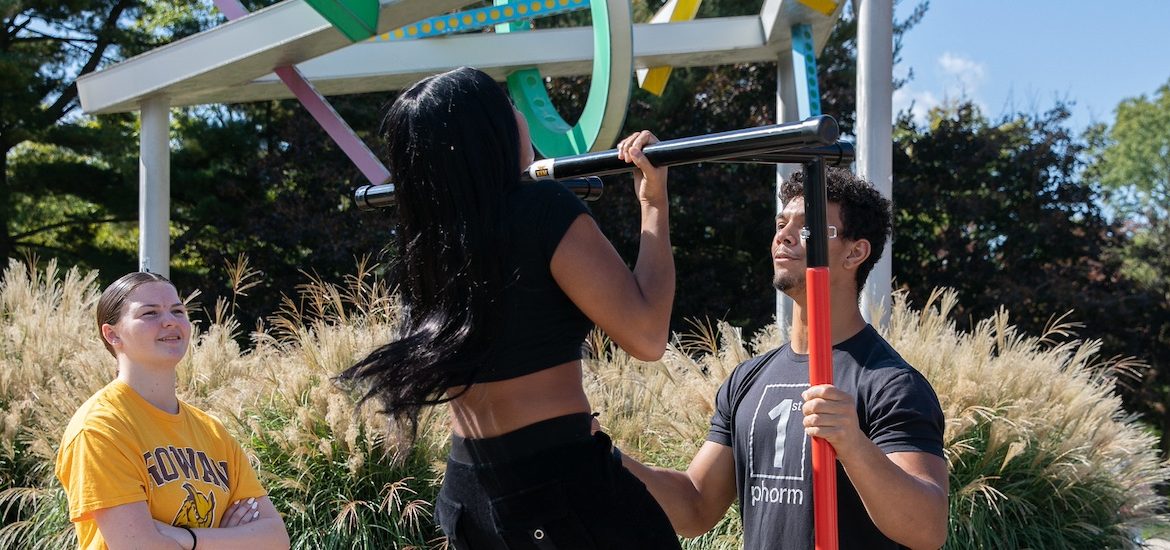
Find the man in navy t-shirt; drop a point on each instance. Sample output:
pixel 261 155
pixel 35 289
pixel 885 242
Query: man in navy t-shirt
pixel 880 415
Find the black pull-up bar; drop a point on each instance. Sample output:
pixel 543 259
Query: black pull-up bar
pixel 795 143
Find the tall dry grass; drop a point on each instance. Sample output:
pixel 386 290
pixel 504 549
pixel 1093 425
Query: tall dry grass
pixel 1041 453
pixel 341 478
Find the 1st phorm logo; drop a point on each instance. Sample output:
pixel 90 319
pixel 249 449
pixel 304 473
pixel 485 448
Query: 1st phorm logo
pixel 776 495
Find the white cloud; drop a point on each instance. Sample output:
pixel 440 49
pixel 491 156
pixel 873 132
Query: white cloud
pixel 967 74
pixel 956 79
pixel 918 102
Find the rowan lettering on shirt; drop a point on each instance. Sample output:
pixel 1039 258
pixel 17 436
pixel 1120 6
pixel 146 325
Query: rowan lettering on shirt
pixel 168 464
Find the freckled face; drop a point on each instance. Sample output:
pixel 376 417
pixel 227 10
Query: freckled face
pixel 154 329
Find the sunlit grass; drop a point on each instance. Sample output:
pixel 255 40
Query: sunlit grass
pixel 1041 453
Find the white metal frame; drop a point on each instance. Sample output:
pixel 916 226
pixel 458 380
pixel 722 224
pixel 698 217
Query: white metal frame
pixel 234 63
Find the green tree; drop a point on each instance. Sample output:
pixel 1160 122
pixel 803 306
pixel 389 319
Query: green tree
pixel 264 180
pixel 1132 161
pixel 995 210
pixel 260 179
pixel 1000 211
pixel 63 177
pixel 1134 156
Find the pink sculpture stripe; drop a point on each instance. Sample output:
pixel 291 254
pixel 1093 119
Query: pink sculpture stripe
pixel 321 110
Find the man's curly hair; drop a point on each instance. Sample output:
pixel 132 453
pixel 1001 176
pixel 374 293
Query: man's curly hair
pixel 865 213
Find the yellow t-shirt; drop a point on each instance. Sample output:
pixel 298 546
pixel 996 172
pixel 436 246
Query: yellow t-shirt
pixel 120 449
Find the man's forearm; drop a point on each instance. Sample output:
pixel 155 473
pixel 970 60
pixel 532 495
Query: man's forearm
pixel 675 493
pixel 905 494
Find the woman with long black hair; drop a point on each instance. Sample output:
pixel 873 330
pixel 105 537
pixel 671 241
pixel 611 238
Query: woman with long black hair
pixel 501 281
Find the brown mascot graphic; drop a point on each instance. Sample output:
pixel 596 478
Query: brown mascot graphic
pixel 197 510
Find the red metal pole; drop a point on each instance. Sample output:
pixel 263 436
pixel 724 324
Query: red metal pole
pixel 824 458
pixel 820 371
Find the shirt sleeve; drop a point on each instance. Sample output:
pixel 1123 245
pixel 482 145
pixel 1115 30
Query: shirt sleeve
pixel 247 484
pixel 98 473
pixel 721 419
pixel 562 208
pixel 905 415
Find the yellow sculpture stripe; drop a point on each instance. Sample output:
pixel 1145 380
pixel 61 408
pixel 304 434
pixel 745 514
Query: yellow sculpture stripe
pixel 826 7
pixel 654 79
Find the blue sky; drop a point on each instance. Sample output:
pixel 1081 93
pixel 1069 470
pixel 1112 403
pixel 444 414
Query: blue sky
pixel 1025 55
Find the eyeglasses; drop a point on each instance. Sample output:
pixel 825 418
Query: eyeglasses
pixel 805 233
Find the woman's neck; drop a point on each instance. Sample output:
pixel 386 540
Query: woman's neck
pixel 156 387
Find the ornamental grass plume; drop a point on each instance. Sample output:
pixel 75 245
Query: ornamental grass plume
pixel 1041 453
pixel 337 474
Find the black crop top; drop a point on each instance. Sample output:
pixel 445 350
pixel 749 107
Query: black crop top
pixel 542 327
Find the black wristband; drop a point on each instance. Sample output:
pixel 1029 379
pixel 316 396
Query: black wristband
pixel 194 539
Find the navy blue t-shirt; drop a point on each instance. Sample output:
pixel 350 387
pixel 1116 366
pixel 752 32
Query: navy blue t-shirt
pixel 758 414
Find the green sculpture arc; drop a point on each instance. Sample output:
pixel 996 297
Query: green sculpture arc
pixel 609 91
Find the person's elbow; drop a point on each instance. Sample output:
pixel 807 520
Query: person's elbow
pixel 930 535
pixel 698 522
pixel 935 537
pixel 649 348
pixel 648 345
pixel 695 529
pixel 932 539
pixel 280 538
pixel 698 514
pixel 940 540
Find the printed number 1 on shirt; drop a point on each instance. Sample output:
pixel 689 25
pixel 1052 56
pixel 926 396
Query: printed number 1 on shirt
pixel 783 411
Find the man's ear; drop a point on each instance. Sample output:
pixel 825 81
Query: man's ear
pixel 857 253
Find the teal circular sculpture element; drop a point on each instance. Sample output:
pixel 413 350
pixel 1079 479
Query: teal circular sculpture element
pixel 609 92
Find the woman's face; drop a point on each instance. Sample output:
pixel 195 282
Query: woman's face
pixel 527 156
pixel 153 330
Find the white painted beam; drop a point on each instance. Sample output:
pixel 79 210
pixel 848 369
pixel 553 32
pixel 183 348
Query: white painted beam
pixel 235 53
pixel 778 16
pixel 379 66
pixel 787 110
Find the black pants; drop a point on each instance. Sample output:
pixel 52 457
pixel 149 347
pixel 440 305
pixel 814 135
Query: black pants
pixel 547 486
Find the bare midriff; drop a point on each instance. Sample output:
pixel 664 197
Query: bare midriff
pixel 489 409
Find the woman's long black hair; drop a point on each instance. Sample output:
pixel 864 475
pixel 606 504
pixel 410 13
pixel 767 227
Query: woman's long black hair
pixel 452 146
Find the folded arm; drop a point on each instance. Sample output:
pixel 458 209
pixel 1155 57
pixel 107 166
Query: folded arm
pixel 131 526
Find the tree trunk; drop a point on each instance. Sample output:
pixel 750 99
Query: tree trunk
pixel 1165 437
pixel 7 247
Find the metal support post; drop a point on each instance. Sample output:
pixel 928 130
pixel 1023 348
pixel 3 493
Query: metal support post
pixel 875 89
pixel 154 187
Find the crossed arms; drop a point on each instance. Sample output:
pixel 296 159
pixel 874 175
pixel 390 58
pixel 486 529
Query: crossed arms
pixel 243 526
